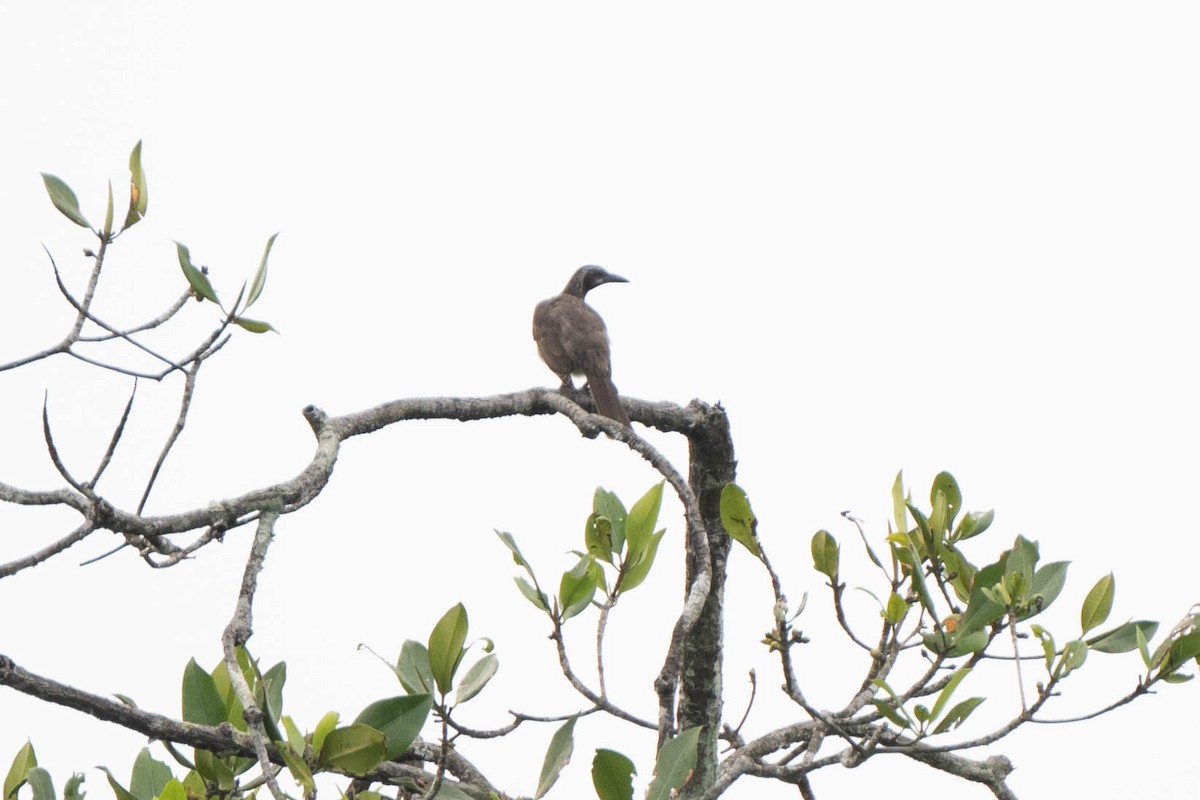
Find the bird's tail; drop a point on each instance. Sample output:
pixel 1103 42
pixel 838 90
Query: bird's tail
pixel 607 402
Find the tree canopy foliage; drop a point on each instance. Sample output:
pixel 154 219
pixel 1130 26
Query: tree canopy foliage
pixel 948 606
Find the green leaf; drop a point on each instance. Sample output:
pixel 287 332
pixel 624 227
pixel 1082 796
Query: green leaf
pixel 612 775
pixel 959 571
pixel 72 791
pixel 233 706
pixel 18 772
pixel 108 212
pixel 950 503
pixel 64 199
pixel 674 765
pixel 608 505
pixel 325 726
pixel 477 677
pixel 896 609
pixel 139 198
pixel 173 790
pixel 195 278
pixel 450 791
pixel 1022 559
pixel 982 610
pixel 260 277
pixel 1073 656
pixel 825 554
pixel 213 769
pixel 399 719
pixel 149 776
pixel 558 755
pixel 738 518
pixel 511 544
pixel 271 687
pixel 639 525
pixel 193 784
pixel 915 572
pixel 412 668
pixel 973 523
pixel 576 589
pixel 253 325
pixel 889 712
pixel 1123 638
pixel 296 765
pixel 1185 648
pixel 927 544
pixel 120 791
pixel 202 703
pixel 597 536
pixel 41 784
pixel 958 715
pixel 944 695
pixel 539 599
pixel 899 506
pixel 295 739
pixel 638 562
pixel 1048 649
pixel 356 749
pixel 1098 603
pixel 446 646
pixel 1048 581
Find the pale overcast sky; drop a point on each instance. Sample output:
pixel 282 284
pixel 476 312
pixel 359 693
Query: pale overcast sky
pixel 885 236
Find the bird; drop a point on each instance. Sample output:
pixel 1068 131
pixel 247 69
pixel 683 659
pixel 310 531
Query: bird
pixel 572 340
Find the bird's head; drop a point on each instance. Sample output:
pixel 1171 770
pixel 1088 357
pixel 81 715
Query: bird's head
pixel 587 278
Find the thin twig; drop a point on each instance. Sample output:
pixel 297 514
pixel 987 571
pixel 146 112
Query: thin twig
pixel 53 450
pixel 116 437
pixel 185 402
pixel 77 535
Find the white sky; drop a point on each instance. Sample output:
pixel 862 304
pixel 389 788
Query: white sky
pixel 885 236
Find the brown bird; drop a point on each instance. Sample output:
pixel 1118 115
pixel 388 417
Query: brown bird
pixel 572 340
